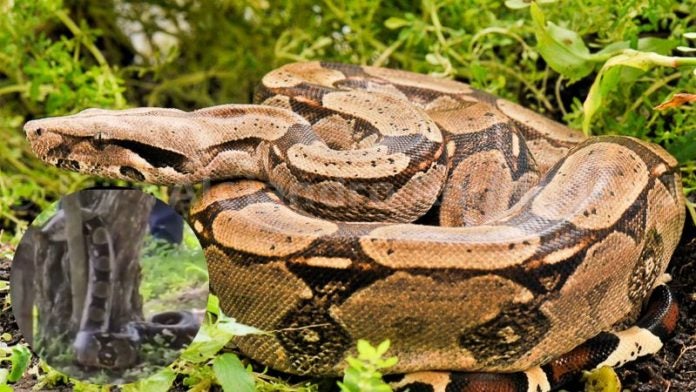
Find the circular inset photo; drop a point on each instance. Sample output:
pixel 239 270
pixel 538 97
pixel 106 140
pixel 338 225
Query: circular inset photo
pixel 109 285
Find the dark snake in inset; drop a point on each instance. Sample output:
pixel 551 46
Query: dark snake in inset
pixel 99 345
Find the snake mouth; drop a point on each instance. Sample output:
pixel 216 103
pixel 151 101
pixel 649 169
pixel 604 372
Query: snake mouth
pixel 87 142
pixel 82 149
pixel 50 146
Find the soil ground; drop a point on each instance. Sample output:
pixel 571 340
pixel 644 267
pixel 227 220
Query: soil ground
pixel 673 369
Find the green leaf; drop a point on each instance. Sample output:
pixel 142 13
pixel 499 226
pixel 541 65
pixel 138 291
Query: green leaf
pixel 354 363
pixel 232 375
pixel 389 362
pixel 603 379
pixel 365 349
pixel 383 347
pixel 609 80
pixel 394 23
pixel 213 304
pixel 229 325
pixel 158 382
pixel 648 44
pixel 562 49
pixel 20 361
pixel 519 4
pixel 610 74
pixel 206 344
pixel 362 373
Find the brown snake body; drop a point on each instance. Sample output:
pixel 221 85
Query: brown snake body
pixel 547 241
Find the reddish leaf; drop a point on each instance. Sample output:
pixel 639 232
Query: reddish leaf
pixel 676 101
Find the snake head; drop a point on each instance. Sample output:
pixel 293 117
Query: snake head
pixel 125 144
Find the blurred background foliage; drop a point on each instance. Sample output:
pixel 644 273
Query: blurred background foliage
pixel 61 57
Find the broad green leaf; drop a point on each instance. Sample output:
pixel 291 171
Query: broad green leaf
pixel 206 344
pixel 592 103
pixel 648 44
pixel 20 360
pixel 609 80
pixel 232 375
pixel 229 325
pixel 365 349
pixel 562 49
pixel 608 77
pixel 657 45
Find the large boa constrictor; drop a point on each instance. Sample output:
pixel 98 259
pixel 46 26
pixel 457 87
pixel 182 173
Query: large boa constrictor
pixel 547 242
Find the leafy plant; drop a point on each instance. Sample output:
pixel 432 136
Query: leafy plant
pixel 621 63
pixel 566 52
pixel 18 357
pixel 159 382
pixel 232 375
pixel 363 373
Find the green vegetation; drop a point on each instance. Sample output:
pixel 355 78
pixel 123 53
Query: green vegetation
pixel 174 276
pixel 603 379
pixel 599 66
pixel 363 372
pixel 18 358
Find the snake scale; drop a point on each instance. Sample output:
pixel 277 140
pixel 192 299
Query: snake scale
pixel 497 249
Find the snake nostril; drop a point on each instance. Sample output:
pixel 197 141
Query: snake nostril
pixel 38 131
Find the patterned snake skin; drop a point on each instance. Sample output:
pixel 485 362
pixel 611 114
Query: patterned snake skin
pixel 497 249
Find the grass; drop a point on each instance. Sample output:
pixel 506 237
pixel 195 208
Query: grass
pixel 174 276
pixel 586 63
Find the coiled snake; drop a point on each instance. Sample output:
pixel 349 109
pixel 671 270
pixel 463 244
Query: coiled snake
pixel 547 241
